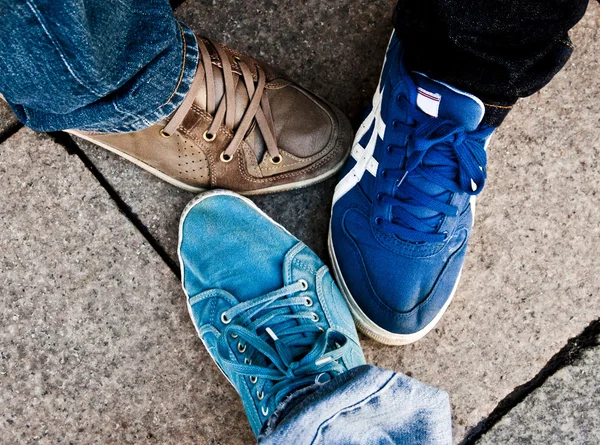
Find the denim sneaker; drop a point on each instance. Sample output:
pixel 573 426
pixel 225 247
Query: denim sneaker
pixel 264 305
pixel 402 212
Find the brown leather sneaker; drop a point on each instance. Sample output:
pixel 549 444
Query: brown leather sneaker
pixel 242 127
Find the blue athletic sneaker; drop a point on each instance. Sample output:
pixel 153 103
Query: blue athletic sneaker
pixel 401 215
pixel 263 303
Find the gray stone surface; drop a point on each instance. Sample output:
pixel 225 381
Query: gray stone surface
pixel 304 212
pixel 156 203
pixel 565 410
pixel 530 281
pixel 333 48
pixel 96 345
pixel 7 117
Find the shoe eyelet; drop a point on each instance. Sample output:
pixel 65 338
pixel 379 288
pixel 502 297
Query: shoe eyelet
pixel 225 157
pixel 163 134
pixel 384 173
pixel 247 361
pixel 379 197
pixel 241 348
pixel 304 284
pixel 314 317
pixel 253 380
pixel 395 124
pixel 389 149
pixel 399 97
pixel 224 319
pixel 264 411
pixel 276 160
pixel 446 236
pixel 321 329
pixel 308 302
pixel 234 336
pixel 209 137
pixel 237 59
pixel 378 220
pixel 260 395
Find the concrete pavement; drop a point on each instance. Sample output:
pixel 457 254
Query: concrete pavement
pixel 96 346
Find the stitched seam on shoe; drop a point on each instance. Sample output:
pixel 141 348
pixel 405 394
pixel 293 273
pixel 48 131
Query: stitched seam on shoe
pixel 375 298
pixel 321 295
pixel 309 169
pixel 300 161
pixel 208 118
pixel 302 265
pixel 202 112
pixel 277 84
pixel 337 147
pixel 289 258
pixel 406 248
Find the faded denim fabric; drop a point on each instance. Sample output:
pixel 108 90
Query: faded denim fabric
pixel 96 65
pixel 365 406
pixel 114 65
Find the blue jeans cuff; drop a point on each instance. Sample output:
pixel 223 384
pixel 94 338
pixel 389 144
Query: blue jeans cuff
pixel 189 65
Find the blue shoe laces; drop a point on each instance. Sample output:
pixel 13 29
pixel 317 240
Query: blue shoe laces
pixel 282 353
pixel 443 153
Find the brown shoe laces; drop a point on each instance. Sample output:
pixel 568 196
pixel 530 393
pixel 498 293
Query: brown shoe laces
pixel 258 107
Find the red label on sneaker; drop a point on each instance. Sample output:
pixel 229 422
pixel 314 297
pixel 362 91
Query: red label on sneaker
pixel 428 102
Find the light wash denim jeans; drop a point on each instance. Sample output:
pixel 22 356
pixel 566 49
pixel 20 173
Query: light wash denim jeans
pixel 365 406
pixel 96 65
pixel 122 65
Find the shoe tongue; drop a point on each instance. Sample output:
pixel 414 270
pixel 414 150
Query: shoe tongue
pixel 445 102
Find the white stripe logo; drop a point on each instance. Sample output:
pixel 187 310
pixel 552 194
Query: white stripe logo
pixel 364 155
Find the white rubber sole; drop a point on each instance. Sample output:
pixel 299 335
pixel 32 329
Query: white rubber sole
pixel 184 186
pixel 368 326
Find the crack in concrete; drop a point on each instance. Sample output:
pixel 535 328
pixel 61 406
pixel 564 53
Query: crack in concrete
pixel 71 147
pixel 10 131
pixel 569 355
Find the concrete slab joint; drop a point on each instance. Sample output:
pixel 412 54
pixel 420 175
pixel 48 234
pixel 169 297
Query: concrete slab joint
pixel 96 345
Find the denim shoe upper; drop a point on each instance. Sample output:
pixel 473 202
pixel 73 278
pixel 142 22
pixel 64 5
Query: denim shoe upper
pixel 265 306
pixel 402 217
